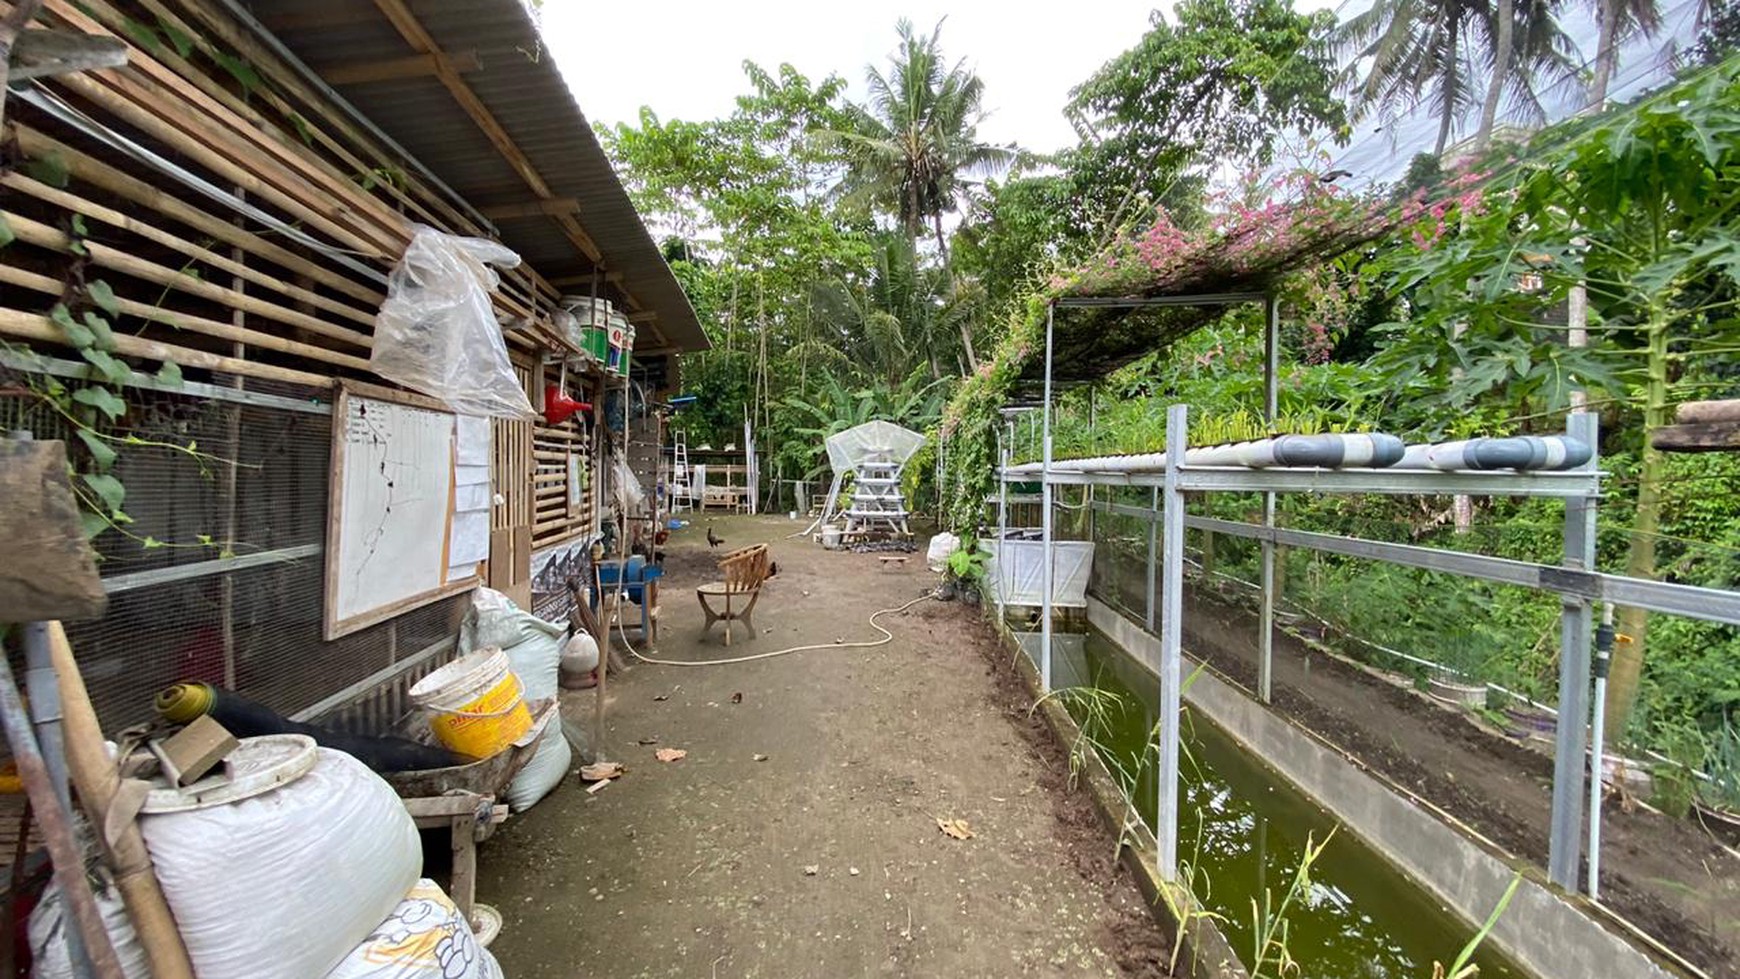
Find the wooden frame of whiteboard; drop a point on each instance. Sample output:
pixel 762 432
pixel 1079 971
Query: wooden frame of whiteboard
pixel 334 627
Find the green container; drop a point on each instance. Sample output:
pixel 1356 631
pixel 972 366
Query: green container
pixel 596 341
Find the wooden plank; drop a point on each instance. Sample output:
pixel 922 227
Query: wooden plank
pixel 34 326
pixel 390 69
pixel 1716 436
pixel 1699 412
pixel 12 275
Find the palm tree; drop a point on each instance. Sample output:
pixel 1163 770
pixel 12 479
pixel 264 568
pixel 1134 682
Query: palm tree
pixel 910 149
pixel 1619 20
pixel 1404 52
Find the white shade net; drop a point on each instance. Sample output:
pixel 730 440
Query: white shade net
pixel 877 441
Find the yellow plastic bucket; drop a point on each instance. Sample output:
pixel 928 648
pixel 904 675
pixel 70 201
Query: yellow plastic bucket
pixel 477 705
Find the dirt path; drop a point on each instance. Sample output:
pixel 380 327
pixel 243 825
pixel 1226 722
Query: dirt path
pixel 699 868
pixel 1667 876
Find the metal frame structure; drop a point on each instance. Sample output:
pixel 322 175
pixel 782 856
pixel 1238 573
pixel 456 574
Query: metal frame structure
pixel 1575 580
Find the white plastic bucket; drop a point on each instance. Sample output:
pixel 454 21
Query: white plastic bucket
pixel 478 703
pixel 831 538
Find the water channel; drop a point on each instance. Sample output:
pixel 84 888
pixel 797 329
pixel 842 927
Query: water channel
pixel 1243 830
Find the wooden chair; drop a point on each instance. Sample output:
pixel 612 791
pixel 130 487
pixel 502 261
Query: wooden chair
pixel 745 570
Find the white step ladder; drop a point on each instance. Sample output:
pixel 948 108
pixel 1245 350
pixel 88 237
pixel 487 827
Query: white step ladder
pixel 682 496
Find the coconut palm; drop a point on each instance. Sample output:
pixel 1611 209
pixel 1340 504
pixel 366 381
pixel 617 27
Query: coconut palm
pixel 1405 52
pixel 910 150
pixel 1619 20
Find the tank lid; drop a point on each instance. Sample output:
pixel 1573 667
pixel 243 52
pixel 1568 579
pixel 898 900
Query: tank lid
pixel 257 766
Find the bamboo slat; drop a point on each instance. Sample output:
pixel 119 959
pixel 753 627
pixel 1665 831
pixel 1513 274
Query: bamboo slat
pixel 34 326
pixel 114 218
pixel 90 170
pixel 48 285
pixel 37 233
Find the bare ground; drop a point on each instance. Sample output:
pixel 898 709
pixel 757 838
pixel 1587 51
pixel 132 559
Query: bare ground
pixel 1670 877
pixel 698 868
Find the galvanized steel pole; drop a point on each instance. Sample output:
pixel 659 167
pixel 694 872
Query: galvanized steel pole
pixel 1271 404
pixel 1171 656
pixel 1565 844
pixel 1045 504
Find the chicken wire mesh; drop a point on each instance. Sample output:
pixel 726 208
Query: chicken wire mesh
pixel 220 575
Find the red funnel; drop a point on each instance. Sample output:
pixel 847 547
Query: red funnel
pixel 558 407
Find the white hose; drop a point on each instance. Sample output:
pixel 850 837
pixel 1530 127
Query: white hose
pixel 887 637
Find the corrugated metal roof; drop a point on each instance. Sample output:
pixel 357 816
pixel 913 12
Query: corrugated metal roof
pixel 517 81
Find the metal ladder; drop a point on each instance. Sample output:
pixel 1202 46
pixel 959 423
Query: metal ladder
pixel 681 495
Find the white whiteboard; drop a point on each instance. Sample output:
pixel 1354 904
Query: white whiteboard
pixel 396 475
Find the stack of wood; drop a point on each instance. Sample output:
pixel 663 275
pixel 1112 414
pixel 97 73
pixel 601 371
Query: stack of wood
pixel 1701 426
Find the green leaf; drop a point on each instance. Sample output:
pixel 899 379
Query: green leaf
pixel 93 523
pixel 77 334
pixel 169 375
pixel 203 538
pixel 51 170
pixel 182 40
pixel 102 399
pixel 103 296
pixel 78 248
pixel 102 454
pixel 151 543
pixel 104 334
pixel 6 235
pixel 115 371
pixel 107 488
pixel 78 226
pixel 120 517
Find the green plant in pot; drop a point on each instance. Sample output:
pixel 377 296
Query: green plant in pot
pixel 966 571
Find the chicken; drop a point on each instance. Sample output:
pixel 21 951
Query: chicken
pixel 713 540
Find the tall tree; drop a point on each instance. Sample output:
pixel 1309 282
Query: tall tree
pixel 1224 81
pixel 1402 53
pixel 911 148
pixel 1619 21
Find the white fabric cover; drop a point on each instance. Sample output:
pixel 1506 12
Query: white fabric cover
pixel 534 651
pixel 936 556
pixel 284 884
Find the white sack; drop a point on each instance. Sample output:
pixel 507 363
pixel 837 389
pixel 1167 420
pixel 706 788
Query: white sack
pixel 936 556
pixel 48 924
pixel 425 937
pixel 534 651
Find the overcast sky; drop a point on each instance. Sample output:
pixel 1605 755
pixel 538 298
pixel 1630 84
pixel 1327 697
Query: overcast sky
pixel 683 58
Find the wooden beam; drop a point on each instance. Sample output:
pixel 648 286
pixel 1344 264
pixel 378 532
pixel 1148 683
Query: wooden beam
pixel 1700 412
pixel 1721 436
pixel 388 69
pixel 645 316
pixel 541 207
pixel 33 326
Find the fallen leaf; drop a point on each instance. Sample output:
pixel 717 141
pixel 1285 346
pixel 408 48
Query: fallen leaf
pixel 599 771
pixel 662 696
pixel 760 757
pixel 812 870
pixel 737 698
pixel 647 741
pixel 955 828
pixel 670 754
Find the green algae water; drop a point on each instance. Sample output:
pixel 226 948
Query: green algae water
pixel 1243 831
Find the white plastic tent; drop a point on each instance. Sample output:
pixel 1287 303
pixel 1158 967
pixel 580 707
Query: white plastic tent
pixel 880 444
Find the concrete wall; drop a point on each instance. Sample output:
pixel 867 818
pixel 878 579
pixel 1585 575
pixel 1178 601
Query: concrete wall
pixel 1543 930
